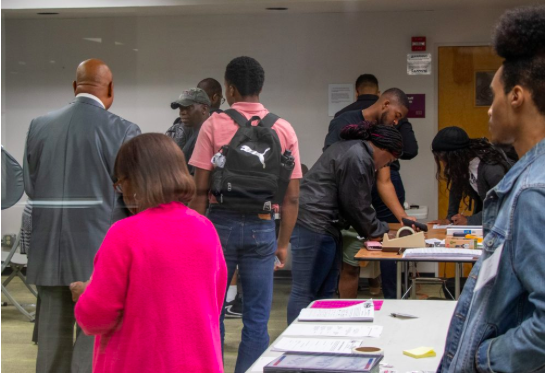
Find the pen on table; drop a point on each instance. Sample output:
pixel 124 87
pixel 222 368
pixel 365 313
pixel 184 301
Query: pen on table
pixel 402 315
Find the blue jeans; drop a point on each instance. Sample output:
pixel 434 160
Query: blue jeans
pixel 249 242
pixel 388 268
pixel 315 268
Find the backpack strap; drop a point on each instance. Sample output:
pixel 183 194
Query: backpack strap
pixel 269 120
pixel 237 117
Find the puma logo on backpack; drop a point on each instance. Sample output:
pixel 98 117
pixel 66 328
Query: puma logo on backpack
pixel 260 156
pixel 249 179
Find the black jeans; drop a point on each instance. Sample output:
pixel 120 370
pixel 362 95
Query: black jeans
pixel 388 269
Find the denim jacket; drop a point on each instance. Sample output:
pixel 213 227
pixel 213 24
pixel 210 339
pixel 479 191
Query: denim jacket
pixel 501 326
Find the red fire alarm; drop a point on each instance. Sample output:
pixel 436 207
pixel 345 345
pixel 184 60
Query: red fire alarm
pixel 418 43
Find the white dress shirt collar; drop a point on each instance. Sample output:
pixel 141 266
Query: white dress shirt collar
pixel 91 96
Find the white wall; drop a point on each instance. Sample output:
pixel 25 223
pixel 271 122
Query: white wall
pixel 301 55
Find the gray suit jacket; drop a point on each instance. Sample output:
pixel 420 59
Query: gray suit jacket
pixel 68 171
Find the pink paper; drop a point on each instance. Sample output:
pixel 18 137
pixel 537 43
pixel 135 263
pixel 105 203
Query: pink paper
pixel 335 304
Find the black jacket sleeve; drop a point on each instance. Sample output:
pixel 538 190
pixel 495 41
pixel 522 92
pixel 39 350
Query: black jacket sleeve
pixel 489 176
pixel 334 132
pixel 454 200
pixel 410 145
pixel 354 180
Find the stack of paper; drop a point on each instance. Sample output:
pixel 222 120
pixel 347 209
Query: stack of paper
pixel 341 330
pixel 442 252
pixel 312 345
pixel 363 312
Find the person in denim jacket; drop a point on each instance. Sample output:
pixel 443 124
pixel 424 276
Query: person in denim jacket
pixel 499 322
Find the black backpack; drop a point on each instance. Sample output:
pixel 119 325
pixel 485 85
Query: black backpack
pixel 246 173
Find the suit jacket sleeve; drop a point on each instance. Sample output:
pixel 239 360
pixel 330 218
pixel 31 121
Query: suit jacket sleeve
pixel 29 185
pixel 121 210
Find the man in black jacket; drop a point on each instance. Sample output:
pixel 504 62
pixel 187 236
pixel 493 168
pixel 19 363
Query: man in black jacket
pixel 388 193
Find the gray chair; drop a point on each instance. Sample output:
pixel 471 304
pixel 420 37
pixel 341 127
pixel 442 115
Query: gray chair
pixel 16 262
pixel 12 190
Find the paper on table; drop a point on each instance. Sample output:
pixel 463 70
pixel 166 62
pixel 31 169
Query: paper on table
pixel 312 345
pixel 340 330
pixel 262 362
pixel 363 312
pixel 447 252
pixel 438 226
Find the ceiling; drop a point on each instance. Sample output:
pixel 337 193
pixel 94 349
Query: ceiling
pixel 28 9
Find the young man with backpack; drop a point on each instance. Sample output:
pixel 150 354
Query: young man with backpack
pixel 241 160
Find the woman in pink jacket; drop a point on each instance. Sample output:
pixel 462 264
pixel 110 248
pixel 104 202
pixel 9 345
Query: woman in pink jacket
pixel 157 290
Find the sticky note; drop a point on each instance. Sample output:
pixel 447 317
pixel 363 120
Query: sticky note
pixel 421 352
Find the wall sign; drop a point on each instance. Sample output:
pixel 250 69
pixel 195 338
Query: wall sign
pixel 418 64
pixel 340 95
pixel 418 105
pixel 483 92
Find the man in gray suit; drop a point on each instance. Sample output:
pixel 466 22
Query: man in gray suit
pixel 68 170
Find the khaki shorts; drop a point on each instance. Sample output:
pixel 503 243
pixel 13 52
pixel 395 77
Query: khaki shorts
pixel 351 246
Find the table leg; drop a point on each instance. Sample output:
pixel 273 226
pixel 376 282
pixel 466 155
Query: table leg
pixel 406 270
pixel 398 284
pixel 457 281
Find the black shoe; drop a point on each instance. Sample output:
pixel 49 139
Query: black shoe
pixel 233 309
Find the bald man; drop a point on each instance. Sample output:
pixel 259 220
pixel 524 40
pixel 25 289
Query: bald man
pixel 213 89
pixel 68 169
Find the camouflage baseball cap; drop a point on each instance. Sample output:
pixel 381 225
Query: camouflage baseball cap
pixel 189 97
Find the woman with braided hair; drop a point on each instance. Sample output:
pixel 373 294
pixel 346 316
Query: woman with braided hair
pixel 470 167
pixel 335 193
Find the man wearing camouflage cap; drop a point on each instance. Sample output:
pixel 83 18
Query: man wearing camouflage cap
pixel 194 106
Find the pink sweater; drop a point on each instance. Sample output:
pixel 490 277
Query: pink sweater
pixel 156 294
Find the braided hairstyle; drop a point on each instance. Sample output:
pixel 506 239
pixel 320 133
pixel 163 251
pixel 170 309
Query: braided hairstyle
pixel 382 136
pixel 456 171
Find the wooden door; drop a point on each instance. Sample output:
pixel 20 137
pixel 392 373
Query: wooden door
pixel 463 101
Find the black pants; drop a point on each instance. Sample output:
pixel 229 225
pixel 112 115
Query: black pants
pixel 388 269
pixel 57 351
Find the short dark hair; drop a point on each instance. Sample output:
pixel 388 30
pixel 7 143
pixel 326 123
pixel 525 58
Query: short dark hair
pixel 156 169
pixel 366 80
pixel 246 74
pixel 397 95
pixel 210 86
pixel 520 39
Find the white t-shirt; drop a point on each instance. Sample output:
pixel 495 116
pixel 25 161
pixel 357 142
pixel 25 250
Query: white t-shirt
pixel 473 170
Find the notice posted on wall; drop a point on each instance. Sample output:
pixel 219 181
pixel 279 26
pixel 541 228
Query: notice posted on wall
pixel 418 64
pixel 340 95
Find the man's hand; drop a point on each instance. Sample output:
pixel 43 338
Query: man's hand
pixel 412 226
pixel 459 219
pixel 282 254
pixel 77 288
